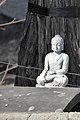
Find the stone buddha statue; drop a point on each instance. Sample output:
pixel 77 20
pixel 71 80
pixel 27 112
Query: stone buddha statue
pixel 56 65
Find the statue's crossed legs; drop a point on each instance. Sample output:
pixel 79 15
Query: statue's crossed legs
pixel 53 80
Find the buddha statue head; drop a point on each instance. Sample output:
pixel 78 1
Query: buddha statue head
pixel 57 44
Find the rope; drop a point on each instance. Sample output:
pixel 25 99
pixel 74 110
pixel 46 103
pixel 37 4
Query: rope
pixel 15 66
pixel 34 68
pixel 21 66
pixel 75 74
pixel 23 77
pixel 69 85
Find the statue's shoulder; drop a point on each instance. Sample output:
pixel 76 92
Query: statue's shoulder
pixel 49 54
pixel 65 55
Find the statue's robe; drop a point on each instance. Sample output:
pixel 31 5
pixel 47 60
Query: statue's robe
pixel 56 63
pixel 55 69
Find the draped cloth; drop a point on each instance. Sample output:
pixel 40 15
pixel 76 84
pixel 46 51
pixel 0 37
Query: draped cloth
pixel 55 69
pixel 55 62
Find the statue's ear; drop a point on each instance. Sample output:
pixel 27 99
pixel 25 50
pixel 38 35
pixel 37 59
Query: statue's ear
pixel 62 46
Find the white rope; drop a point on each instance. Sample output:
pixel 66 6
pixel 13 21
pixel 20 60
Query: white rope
pixel 15 65
pixel 21 66
pixel 75 74
pixel 34 68
pixel 23 77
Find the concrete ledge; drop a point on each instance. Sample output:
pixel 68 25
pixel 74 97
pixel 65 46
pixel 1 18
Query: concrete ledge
pixel 38 100
pixel 40 116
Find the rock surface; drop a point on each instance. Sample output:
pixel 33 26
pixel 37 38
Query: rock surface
pixel 37 100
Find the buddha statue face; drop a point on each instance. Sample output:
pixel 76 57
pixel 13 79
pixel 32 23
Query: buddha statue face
pixel 57 44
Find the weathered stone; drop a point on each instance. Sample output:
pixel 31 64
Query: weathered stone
pixel 49 116
pixel 74 116
pixel 14 116
pixel 38 100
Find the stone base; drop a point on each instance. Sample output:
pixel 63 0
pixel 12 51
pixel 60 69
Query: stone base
pixel 47 86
